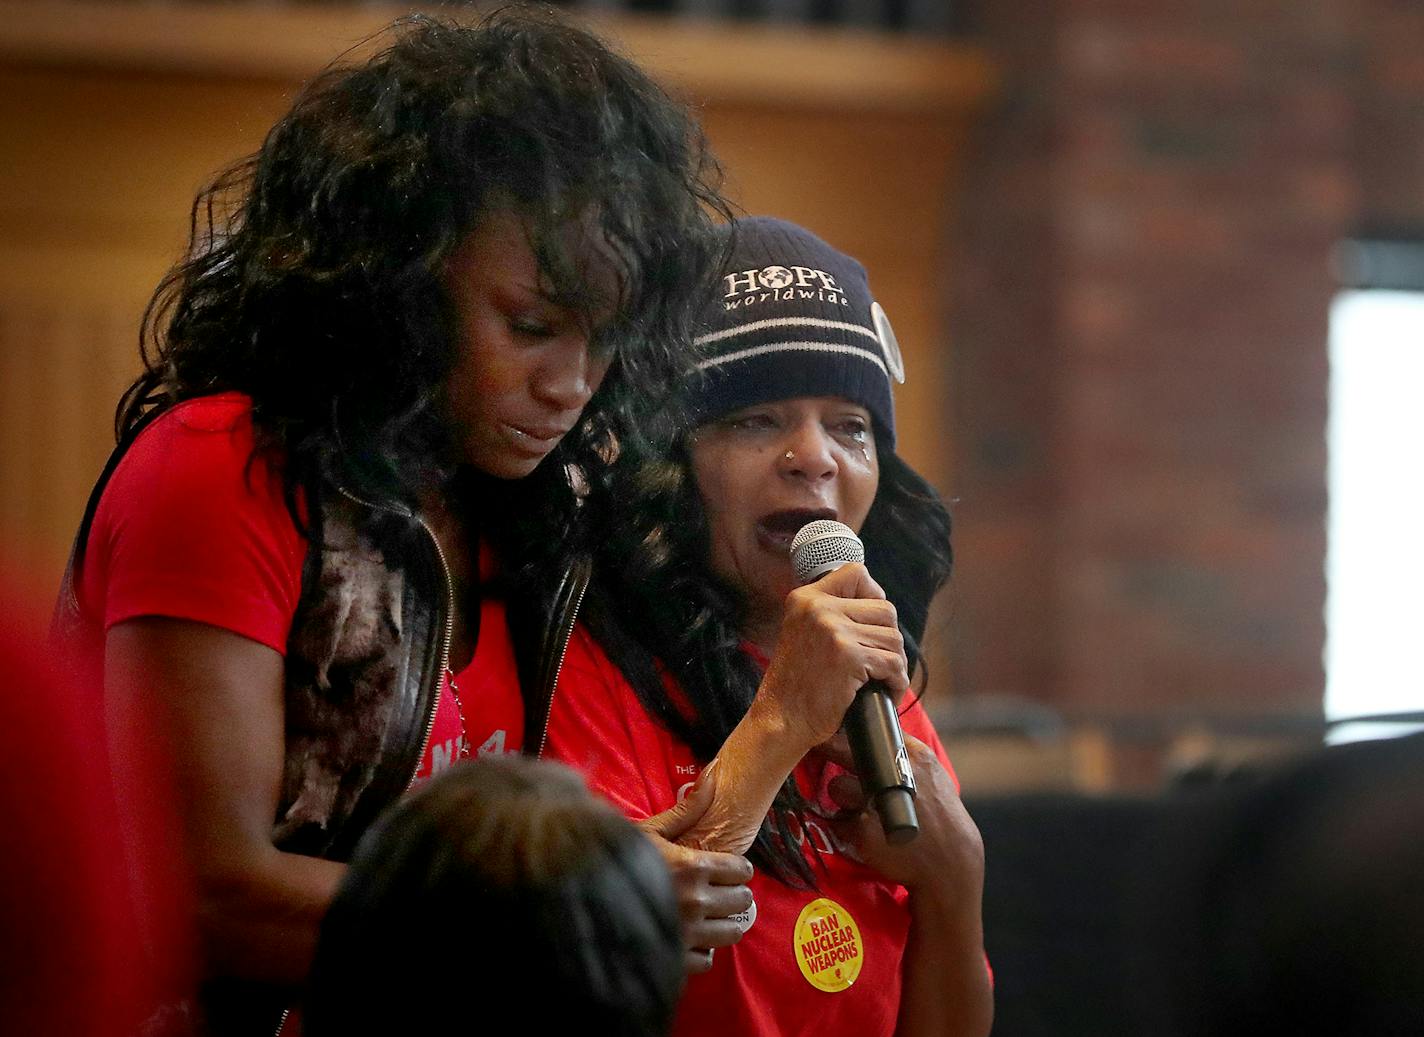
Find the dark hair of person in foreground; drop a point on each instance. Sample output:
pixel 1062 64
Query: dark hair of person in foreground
pixel 501 876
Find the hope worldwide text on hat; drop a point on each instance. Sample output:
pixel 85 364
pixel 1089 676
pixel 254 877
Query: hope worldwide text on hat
pixel 795 317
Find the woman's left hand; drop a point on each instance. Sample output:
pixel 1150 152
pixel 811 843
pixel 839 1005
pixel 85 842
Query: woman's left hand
pixel 946 989
pixel 946 859
pixel 711 887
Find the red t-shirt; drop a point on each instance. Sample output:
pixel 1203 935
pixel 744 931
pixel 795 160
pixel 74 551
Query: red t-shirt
pixel 488 689
pixel 191 527
pixel 823 961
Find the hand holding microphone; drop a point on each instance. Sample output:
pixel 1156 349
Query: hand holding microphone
pixel 871 724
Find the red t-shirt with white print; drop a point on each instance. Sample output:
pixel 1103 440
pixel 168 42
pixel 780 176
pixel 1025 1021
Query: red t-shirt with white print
pixel 488 690
pixel 823 961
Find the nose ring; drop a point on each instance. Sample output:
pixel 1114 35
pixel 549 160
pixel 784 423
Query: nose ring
pixel 789 456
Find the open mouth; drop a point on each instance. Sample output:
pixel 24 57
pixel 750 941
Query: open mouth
pixel 775 531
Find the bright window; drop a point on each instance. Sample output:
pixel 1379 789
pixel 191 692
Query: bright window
pixel 1374 612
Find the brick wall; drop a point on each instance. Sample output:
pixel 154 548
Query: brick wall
pixel 1139 340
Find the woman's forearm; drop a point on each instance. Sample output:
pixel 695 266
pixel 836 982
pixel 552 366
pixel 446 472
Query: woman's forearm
pixel 259 919
pixel 751 767
pixel 946 991
pixel 213 701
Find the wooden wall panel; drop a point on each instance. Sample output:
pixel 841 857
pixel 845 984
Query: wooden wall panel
pixel 98 168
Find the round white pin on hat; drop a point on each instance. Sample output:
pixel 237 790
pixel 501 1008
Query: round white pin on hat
pixel 889 344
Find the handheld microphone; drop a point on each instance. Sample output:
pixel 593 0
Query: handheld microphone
pixel 872 725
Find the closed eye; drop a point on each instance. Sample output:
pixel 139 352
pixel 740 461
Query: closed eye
pixel 532 327
pixel 755 422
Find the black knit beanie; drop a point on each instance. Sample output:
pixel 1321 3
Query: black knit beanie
pixel 793 317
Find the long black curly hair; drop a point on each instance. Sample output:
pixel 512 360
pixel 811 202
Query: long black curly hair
pixel 657 601
pixel 313 280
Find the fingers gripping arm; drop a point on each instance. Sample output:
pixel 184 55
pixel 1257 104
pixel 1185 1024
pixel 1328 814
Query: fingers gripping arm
pixel 711 886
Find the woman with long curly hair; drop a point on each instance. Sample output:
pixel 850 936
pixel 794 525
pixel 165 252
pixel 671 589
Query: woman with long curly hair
pixel 702 663
pixel 381 399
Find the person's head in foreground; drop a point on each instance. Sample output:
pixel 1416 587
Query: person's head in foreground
pixel 500 877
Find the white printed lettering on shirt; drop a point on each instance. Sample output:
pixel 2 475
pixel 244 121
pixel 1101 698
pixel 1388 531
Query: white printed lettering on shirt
pixel 818 837
pixel 493 744
pixel 821 839
pixel 442 755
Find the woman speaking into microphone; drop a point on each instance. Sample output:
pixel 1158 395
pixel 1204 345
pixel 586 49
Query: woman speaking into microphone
pixel 701 661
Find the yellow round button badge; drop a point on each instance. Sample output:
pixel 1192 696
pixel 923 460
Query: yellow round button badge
pixel 828 946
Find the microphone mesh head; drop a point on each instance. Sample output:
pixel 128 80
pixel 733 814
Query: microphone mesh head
pixel 823 545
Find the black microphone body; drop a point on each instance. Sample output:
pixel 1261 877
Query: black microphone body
pixel 871 724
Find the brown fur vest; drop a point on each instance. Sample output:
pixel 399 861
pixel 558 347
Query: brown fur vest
pixel 364 661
